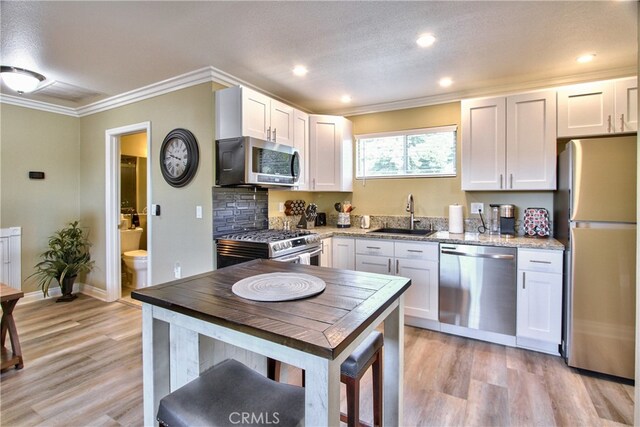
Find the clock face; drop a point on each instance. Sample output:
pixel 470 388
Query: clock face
pixel 176 157
pixel 179 157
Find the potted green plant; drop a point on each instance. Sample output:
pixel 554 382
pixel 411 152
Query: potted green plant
pixel 67 256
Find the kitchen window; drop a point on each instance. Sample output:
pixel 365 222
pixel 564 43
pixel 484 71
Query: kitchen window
pixel 429 152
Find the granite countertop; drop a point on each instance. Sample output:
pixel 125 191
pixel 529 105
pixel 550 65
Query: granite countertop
pixel 446 237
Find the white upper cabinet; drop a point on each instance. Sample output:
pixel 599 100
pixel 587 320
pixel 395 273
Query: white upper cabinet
pixel 330 153
pixel 483 143
pixel 509 143
pixel 244 112
pixel 598 108
pixel 626 108
pixel 301 143
pixel 531 141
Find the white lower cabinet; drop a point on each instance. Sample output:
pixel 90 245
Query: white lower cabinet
pixel 343 253
pixel 539 310
pixel 418 262
pixel 326 256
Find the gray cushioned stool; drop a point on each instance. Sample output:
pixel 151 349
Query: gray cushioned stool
pixel 231 394
pixel 368 353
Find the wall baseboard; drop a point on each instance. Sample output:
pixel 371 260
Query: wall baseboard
pixel 55 292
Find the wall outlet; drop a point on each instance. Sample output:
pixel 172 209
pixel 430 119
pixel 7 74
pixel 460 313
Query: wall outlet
pixel 177 270
pixel 477 207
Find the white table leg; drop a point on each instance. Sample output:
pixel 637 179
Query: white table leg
pixel 184 359
pixel 155 363
pixel 322 393
pixel 393 366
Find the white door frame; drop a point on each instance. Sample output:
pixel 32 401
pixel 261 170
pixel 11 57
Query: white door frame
pixel 112 205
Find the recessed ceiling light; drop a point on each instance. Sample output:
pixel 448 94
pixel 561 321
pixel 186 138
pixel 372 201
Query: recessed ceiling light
pixel 345 99
pixel 586 58
pixel 300 70
pixel 426 40
pixel 445 82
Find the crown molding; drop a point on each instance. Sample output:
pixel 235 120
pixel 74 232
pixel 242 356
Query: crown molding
pixel 38 105
pixel 203 75
pixel 214 75
pixel 497 90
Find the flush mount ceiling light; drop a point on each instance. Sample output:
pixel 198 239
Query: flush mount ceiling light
pixel 426 40
pixel 583 59
pixel 345 99
pixel 300 70
pixel 19 79
pixel 445 82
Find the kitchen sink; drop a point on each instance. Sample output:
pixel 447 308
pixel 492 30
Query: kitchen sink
pixel 403 231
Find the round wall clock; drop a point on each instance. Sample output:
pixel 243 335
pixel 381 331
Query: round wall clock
pixel 179 157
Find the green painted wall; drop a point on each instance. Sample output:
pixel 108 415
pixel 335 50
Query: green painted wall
pixel 32 140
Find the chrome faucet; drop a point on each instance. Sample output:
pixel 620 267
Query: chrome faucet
pixel 410 209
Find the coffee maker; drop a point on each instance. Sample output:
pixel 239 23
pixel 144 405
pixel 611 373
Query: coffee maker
pixel 508 220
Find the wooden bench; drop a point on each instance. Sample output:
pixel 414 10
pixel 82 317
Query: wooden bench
pixel 8 299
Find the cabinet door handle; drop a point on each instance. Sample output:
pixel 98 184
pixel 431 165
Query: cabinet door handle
pixel 370 263
pixel 389 266
pixel 501 181
pixel 622 122
pixel 511 181
pixel 397 266
pixel 524 280
pixel 274 135
pixel 314 183
pixel 269 133
pixel 609 124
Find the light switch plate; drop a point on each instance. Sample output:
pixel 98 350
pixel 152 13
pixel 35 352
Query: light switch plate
pixel 199 212
pixel 477 207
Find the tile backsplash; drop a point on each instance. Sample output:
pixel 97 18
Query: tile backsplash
pixel 239 209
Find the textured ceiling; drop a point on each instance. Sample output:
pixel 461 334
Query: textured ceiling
pixel 365 49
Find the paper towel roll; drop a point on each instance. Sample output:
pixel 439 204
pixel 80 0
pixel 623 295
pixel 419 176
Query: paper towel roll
pixel 456 219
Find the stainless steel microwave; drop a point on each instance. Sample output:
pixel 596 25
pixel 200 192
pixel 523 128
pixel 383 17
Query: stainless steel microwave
pixel 247 161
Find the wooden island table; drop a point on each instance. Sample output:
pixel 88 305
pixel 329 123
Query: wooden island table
pixel 193 323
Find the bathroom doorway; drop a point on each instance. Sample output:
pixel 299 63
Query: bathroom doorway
pixel 133 212
pixel 128 228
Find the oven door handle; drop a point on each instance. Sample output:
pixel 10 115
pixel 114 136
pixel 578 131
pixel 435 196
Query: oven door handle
pixel 297 256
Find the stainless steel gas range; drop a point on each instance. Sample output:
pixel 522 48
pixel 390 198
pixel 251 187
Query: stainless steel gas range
pixel 300 246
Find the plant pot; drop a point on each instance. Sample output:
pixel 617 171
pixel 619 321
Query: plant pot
pixel 67 288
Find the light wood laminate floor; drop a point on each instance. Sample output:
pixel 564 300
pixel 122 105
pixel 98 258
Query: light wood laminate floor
pixel 83 367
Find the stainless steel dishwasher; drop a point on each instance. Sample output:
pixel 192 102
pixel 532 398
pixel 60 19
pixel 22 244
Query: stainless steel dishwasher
pixel 478 292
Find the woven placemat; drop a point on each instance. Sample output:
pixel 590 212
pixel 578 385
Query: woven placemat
pixel 278 287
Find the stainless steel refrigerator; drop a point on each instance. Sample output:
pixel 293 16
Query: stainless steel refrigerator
pixel 595 217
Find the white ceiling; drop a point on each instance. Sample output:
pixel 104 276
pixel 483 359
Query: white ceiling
pixel 98 50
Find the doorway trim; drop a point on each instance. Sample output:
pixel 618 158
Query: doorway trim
pixel 112 205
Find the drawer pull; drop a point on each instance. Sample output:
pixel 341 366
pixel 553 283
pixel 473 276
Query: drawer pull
pixel 414 250
pixel 371 263
pixel 373 247
pixel 535 261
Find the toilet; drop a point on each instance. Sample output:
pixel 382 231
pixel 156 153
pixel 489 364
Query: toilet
pixel 134 258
